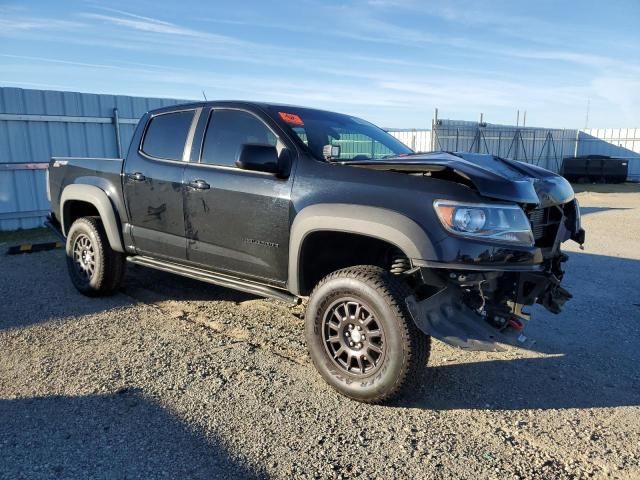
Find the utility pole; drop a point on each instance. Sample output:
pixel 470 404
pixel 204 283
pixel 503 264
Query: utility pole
pixel 524 120
pixel 586 118
pixel 518 119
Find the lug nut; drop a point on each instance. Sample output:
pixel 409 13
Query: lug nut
pixel 347 334
pixel 359 327
pixel 363 337
pixel 351 344
pixel 350 327
pixel 359 345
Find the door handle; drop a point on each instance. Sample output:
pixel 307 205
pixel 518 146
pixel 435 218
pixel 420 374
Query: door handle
pixel 199 185
pixel 137 176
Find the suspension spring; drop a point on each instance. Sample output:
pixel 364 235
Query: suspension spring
pixel 400 264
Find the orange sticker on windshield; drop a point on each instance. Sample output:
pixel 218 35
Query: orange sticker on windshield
pixel 291 118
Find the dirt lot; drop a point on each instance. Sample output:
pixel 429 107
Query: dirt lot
pixel 175 379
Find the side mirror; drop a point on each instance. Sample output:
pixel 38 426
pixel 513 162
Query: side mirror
pixel 259 158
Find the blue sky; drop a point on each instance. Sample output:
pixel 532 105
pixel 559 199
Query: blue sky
pixel 390 61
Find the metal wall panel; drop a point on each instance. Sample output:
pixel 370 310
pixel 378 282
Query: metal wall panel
pixel 417 140
pixel 540 146
pixel 38 124
pixel 85 129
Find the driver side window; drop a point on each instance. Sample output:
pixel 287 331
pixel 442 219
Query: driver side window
pixel 227 131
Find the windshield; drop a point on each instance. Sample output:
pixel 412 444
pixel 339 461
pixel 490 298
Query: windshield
pixel 357 139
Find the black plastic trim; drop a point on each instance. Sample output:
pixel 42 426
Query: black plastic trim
pixel 215 278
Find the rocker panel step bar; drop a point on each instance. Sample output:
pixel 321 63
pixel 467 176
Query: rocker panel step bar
pixel 215 278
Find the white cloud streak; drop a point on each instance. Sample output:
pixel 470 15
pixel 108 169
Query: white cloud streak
pixel 331 79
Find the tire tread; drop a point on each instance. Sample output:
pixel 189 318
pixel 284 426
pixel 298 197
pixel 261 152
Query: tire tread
pixel 114 263
pixel 394 292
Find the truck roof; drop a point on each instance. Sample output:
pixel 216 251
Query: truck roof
pixel 233 103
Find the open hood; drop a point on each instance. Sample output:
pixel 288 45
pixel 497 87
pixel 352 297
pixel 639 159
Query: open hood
pixel 491 176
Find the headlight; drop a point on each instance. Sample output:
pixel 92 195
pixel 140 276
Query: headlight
pixel 498 222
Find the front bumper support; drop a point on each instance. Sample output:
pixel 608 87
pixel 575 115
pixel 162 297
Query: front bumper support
pixel 446 317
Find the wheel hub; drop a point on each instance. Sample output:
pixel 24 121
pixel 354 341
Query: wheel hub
pixel 356 336
pixel 83 256
pixel 353 338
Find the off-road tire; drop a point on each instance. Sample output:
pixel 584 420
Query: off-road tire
pixel 108 266
pixel 406 349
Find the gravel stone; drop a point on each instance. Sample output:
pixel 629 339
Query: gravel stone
pixel 171 378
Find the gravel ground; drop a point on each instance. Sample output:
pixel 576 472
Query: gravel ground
pixel 175 379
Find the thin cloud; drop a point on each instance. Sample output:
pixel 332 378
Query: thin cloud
pixel 372 64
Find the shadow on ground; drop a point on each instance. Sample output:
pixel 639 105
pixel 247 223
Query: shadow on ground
pixel 627 187
pixel 106 436
pixel 594 343
pixel 532 383
pixel 588 210
pixel 149 283
pixel 38 289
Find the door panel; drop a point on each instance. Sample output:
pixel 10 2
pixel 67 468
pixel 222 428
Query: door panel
pixel 153 184
pixel 240 224
pixel 156 208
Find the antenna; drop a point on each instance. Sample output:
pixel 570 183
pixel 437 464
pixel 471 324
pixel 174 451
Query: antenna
pixel 204 95
pixel 524 120
pixel 586 118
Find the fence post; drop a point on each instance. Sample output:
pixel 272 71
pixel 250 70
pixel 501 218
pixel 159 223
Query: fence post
pixel 434 131
pixel 533 142
pixel 116 125
pixel 561 150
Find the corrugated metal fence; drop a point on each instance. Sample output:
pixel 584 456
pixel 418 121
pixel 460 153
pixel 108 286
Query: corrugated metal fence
pixel 36 125
pixel 540 146
pixel 416 140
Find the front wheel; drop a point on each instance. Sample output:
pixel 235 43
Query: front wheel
pixel 360 335
pixel 95 269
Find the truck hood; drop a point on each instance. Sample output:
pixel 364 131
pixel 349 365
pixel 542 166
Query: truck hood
pixel 491 176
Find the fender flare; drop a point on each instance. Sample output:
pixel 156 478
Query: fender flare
pixel 99 199
pixel 376 222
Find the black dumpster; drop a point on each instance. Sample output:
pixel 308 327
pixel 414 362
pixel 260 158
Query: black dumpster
pixel 595 169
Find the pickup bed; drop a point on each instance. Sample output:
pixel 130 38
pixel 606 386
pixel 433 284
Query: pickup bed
pixel 387 247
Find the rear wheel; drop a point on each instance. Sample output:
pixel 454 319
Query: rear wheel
pixel 360 335
pixel 95 269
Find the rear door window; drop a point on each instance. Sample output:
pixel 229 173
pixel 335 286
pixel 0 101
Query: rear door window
pixel 227 131
pixel 167 134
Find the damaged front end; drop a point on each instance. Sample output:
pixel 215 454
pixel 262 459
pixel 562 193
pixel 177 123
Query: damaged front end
pixel 477 307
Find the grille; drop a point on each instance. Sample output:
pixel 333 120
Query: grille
pixel 544 225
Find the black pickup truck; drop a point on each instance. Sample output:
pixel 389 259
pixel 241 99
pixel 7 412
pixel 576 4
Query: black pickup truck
pixel 388 247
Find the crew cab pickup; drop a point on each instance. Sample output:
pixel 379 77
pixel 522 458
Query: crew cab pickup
pixel 386 246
